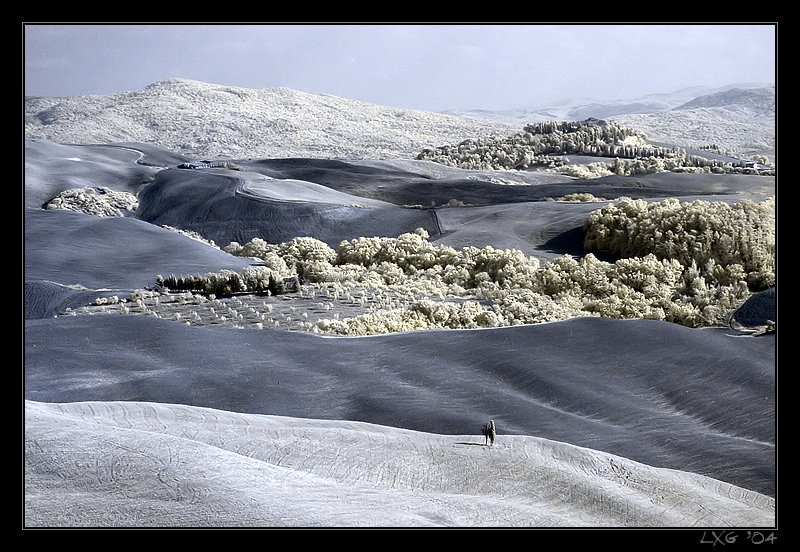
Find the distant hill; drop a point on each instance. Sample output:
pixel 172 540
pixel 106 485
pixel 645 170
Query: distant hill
pixel 209 120
pixel 739 118
pixel 758 100
pixel 579 109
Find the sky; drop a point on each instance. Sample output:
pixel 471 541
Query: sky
pixel 427 67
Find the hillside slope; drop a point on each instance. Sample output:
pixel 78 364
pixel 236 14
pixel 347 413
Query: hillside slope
pixel 742 121
pixel 208 120
pixel 142 464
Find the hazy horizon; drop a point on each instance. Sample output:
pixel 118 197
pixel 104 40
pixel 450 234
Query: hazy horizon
pixel 426 67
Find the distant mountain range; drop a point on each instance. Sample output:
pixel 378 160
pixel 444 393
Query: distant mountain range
pixel 758 96
pixel 759 100
pixel 208 120
pixel 738 118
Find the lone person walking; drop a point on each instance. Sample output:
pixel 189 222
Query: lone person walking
pixel 489 432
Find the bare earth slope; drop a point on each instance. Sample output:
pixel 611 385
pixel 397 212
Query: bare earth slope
pixel 655 392
pixel 144 464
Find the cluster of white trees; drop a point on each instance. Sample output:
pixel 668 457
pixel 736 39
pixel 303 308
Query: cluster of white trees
pixel 689 263
pixel 728 242
pixel 102 201
pixel 538 144
pixel 673 163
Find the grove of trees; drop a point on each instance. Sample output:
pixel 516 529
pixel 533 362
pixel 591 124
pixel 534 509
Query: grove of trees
pixel 690 263
pixel 543 144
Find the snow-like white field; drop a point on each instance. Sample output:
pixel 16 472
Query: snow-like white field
pixel 161 465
